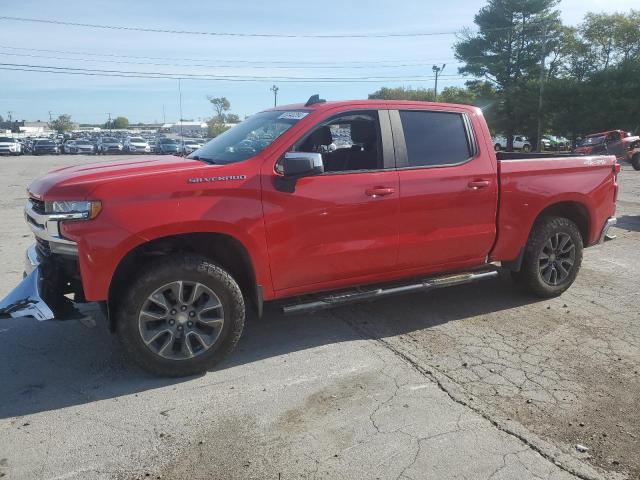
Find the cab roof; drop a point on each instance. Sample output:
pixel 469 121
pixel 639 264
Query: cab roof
pixel 377 103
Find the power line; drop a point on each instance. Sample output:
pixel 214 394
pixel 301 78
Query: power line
pixel 217 77
pixel 183 59
pixel 164 64
pixel 243 34
pixel 103 73
pixel 222 34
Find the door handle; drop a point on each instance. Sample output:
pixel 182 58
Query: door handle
pixel 478 184
pixel 379 191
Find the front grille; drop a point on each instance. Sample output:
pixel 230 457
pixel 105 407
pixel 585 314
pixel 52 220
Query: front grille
pixel 37 206
pixel 43 247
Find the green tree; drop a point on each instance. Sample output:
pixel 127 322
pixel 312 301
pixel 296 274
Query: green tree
pixel 506 52
pixel 120 123
pixel 215 127
pixel 403 93
pixel 233 118
pixel 221 105
pixel 62 124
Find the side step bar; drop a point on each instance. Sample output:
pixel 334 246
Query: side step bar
pixel 354 296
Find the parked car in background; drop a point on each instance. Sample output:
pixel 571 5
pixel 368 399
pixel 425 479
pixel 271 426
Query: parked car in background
pixel 167 146
pixel 109 145
pixel 83 146
pixel 612 142
pixel 136 145
pixel 555 144
pixel 10 146
pixel 520 142
pixel 190 146
pixel 43 147
pixel 68 145
pixel 634 156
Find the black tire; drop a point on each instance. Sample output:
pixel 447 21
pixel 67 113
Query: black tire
pixel 497 147
pixel 635 161
pixel 544 231
pixel 526 147
pixel 158 274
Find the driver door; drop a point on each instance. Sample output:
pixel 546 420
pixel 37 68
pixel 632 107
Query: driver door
pixel 341 224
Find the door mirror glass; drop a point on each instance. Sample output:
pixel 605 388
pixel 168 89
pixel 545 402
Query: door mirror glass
pixel 299 164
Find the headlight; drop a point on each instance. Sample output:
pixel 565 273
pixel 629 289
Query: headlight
pixel 73 209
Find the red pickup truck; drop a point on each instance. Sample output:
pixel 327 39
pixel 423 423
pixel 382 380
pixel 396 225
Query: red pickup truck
pixel 311 205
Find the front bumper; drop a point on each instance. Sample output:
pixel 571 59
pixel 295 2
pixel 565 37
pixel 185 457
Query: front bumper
pixel 26 299
pixel 42 292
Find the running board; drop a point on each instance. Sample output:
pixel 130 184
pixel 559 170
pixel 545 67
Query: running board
pixel 359 295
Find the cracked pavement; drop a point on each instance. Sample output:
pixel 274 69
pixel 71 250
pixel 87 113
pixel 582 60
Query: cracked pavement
pixel 472 382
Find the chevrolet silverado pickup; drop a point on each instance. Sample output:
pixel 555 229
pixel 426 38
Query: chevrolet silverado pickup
pixel 311 206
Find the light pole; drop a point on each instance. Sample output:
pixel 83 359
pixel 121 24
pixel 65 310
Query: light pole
pixel 437 70
pixel 275 89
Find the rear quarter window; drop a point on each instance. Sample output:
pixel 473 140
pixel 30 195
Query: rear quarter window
pixel 434 138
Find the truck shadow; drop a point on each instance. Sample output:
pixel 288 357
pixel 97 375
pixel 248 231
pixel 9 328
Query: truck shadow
pixel 629 222
pixel 55 365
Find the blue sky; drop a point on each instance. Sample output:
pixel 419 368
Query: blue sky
pixel 88 99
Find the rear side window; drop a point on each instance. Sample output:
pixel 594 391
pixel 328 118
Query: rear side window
pixel 434 138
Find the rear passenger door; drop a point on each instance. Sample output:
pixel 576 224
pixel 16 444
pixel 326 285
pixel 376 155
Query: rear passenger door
pixel 448 190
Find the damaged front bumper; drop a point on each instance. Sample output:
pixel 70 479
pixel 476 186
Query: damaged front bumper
pixel 26 299
pixel 39 294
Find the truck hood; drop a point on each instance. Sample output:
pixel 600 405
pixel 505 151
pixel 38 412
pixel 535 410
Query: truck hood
pixel 77 182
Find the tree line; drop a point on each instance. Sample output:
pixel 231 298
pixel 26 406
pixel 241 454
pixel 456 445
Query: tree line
pixel 532 74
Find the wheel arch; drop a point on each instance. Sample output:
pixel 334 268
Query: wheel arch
pixel 223 249
pixel 572 210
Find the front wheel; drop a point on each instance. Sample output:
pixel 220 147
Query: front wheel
pixel 526 148
pixel 552 257
pixel 635 161
pixel 181 316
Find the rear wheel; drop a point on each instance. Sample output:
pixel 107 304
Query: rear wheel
pixel 497 147
pixel 635 161
pixel 181 316
pixel 526 148
pixel 552 257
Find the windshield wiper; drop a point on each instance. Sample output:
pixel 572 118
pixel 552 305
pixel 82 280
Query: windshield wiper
pixel 203 159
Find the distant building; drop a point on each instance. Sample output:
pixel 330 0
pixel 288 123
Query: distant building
pixel 193 127
pixel 27 128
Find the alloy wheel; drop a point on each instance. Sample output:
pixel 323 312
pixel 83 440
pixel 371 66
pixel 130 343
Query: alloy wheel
pixel 557 258
pixel 181 320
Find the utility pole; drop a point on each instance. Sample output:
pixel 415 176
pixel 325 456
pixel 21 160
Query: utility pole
pixel 164 117
pixel 437 70
pixel 109 122
pixel 9 114
pixel 50 118
pixel 180 100
pixel 275 89
pixel 541 80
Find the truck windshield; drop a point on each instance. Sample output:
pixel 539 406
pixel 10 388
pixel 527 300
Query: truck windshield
pixel 593 140
pixel 248 138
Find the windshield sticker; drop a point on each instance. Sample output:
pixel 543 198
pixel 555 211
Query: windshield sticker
pixel 294 115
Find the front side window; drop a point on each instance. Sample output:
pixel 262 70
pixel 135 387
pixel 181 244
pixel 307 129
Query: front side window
pixel 349 141
pixel 248 138
pixel 434 138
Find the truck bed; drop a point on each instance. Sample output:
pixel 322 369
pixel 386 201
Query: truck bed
pixel 534 184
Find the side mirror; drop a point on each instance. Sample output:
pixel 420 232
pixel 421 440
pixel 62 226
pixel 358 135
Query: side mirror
pixel 296 165
pixel 299 164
